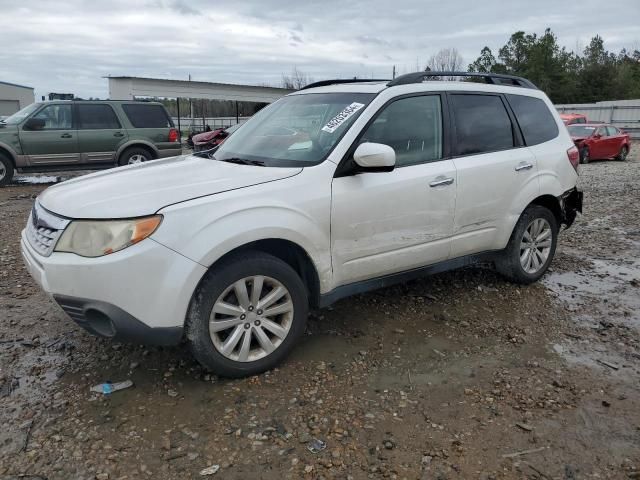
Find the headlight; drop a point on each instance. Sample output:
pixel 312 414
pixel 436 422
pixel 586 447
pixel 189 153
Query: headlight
pixel 95 238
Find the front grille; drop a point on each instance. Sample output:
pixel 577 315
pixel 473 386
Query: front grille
pixel 44 229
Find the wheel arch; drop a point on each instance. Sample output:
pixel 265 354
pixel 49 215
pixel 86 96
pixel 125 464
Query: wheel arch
pixel 289 252
pixel 150 147
pixel 551 203
pixel 9 154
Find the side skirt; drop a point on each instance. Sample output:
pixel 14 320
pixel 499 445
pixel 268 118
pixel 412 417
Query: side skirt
pixel 401 277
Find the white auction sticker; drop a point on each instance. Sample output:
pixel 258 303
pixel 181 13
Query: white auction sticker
pixel 342 117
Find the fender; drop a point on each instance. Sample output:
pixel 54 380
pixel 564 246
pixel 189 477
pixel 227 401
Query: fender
pixel 13 155
pixel 219 223
pixel 131 143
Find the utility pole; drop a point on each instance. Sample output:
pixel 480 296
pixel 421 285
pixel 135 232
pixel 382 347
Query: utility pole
pixel 394 73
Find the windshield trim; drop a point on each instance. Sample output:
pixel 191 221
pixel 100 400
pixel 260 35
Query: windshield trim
pixel 292 163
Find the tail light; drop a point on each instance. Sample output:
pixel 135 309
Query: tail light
pixel 173 135
pixel 574 157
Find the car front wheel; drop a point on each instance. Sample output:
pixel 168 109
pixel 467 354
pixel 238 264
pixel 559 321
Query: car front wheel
pixel 6 170
pixel 624 151
pixel 531 247
pixel 246 315
pixel 585 155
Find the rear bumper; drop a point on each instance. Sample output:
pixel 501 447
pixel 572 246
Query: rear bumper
pixel 570 205
pixel 106 320
pixel 170 152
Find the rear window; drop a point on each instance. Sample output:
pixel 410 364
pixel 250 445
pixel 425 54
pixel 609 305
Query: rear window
pixel 482 124
pixel 94 117
pixel 536 121
pixel 147 116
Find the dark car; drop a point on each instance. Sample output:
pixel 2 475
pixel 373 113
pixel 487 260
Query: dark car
pixel 600 141
pixel 212 138
pixel 64 135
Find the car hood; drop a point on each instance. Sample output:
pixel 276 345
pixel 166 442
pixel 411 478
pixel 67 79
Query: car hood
pixel 143 189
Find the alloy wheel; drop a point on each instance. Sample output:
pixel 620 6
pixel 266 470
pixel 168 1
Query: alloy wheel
pixel 137 158
pixel 251 318
pixel 536 245
pixel 3 171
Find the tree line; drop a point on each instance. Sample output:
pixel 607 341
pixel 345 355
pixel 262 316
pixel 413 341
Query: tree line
pixel 592 75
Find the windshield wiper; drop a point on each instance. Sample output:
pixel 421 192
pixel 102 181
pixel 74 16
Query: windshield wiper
pixel 242 161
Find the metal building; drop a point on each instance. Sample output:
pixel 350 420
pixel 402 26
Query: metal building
pixel 624 114
pixel 128 88
pixel 14 97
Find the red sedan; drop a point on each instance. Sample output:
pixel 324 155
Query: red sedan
pixel 599 141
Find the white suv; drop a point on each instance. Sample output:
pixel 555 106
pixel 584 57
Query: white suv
pixel 331 191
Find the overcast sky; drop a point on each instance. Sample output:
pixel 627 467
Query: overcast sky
pixel 68 46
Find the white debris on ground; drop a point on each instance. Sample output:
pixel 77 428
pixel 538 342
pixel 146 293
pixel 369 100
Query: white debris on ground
pixel 37 179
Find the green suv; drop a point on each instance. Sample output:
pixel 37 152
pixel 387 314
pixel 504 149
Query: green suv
pixel 79 134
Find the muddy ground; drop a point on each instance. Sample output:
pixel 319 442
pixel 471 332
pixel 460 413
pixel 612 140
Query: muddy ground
pixel 457 376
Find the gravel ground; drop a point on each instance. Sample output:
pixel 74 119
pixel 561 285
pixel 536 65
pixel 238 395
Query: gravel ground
pixel 457 376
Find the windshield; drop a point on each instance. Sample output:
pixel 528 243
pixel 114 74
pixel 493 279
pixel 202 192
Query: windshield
pixel 581 131
pixel 298 130
pixel 20 115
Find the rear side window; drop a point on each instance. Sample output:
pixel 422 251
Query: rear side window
pixel 482 124
pixel 147 116
pixel 96 117
pixel 536 121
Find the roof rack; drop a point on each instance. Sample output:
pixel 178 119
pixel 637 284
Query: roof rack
pixel 491 78
pixel 324 83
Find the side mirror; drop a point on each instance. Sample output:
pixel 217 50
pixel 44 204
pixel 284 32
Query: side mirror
pixel 34 124
pixel 375 157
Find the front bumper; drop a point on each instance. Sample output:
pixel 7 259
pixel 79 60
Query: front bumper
pixel 139 294
pixel 106 320
pixel 570 205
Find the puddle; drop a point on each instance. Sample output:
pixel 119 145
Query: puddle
pixel 605 291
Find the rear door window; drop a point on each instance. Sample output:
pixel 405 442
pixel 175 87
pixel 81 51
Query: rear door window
pixel 482 124
pixel 96 117
pixel 613 131
pixel 536 121
pixel 147 116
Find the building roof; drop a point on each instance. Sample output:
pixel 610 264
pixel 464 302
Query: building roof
pixel 127 77
pixel 15 85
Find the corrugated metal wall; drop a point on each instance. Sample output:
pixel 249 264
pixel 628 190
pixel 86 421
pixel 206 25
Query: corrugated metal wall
pixel 621 113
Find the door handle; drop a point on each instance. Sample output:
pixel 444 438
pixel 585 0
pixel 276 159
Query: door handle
pixel 65 135
pixel 524 166
pixel 118 134
pixel 441 181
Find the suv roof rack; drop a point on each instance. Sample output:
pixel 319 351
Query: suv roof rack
pixel 324 83
pixel 491 78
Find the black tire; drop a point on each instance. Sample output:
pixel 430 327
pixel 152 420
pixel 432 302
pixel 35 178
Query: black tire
pixel 6 170
pixel 214 284
pixel 134 152
pixel 622 156
pixel 585 156
pixel 508 263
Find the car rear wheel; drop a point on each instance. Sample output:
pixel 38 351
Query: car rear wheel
pixel 531 247
pixel 585 156
pixel 246 315
pixel 624 151
pixel 135 155
pixel 6 170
